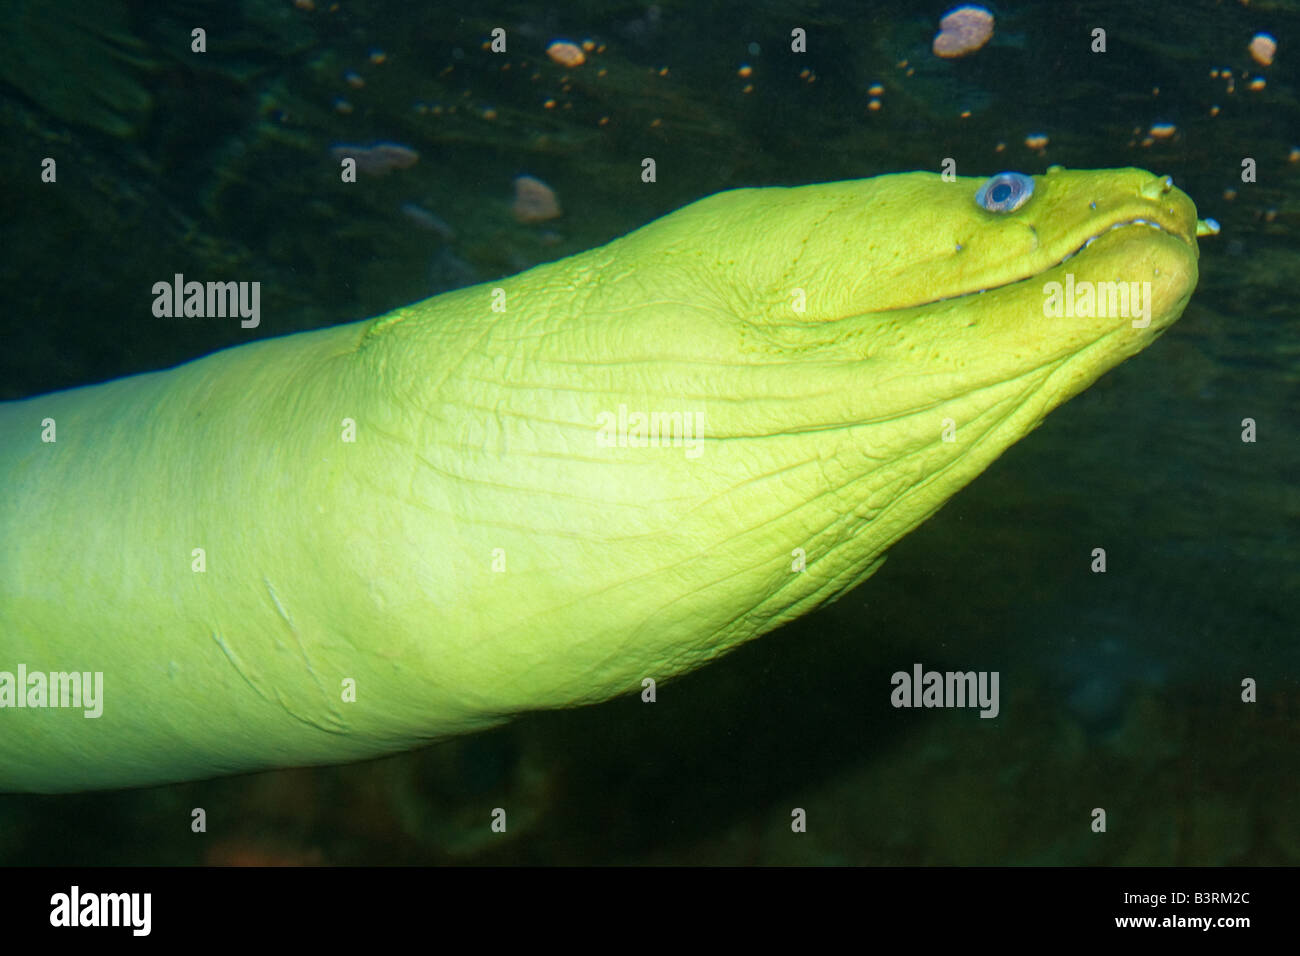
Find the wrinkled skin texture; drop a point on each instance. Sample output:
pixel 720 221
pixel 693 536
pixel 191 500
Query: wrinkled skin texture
pixel 380 560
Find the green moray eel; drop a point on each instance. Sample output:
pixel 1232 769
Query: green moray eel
pixel 540 492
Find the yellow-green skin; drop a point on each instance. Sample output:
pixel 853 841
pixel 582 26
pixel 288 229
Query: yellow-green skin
pixel 380 560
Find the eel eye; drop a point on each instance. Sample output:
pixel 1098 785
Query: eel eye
pixel 1005 192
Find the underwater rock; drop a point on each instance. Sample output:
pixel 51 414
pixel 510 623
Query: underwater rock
pixel 534 200
pixel 1262 49
pixel 566 54
pixel 963 30
pixel 379 159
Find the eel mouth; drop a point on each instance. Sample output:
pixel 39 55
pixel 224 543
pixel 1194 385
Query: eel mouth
pixel 1151 223
pixel 1076 249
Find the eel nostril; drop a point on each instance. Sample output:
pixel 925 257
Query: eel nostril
pixel 1157 187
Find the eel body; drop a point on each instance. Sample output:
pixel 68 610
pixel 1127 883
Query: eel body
pixel 539 492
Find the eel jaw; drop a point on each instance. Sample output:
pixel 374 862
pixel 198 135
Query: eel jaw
pixel 1118 225
pixel 1122 224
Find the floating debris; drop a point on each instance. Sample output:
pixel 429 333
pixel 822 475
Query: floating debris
pixel 566 54
pixel 963 30
pixel 1036 141
pixel 379 159
pixel 1262 48
pixel 534 200
pixel 1162 131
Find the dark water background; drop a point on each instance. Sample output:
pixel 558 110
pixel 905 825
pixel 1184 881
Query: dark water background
pixel 1118 690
